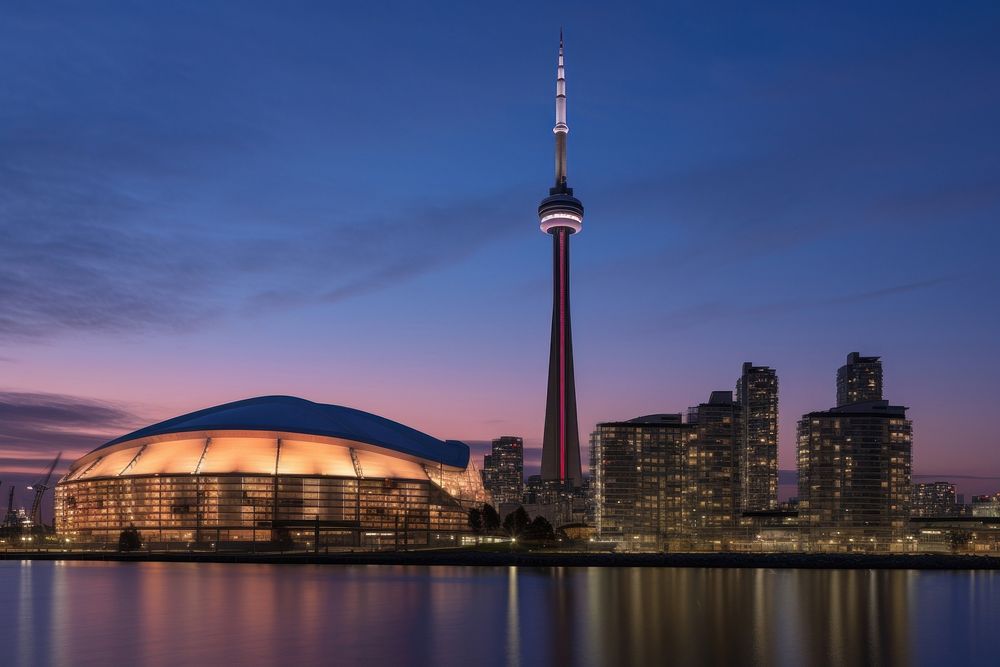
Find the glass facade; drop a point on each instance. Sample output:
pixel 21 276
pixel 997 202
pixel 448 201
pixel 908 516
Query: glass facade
pixel 859 380
pixel 933 499
pixel 757 393
pixel 663 484
pixel 503 471
pixel 854 475
pixel 251 488
pixel 713 484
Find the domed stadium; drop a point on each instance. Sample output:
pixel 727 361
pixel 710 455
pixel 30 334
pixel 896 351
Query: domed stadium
pixel 272 469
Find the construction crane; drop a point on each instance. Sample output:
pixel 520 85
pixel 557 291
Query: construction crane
pixel 10 518
pixel 40 488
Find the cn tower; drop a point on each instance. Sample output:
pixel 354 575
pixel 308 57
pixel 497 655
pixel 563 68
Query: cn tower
pixel 561 215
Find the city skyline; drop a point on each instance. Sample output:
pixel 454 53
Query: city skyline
pixel 178 257
pixel 276 283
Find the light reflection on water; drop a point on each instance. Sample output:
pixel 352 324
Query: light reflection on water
pixel 75 613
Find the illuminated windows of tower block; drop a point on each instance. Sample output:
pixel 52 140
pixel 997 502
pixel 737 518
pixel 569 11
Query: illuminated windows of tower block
pixel 638 478
pixel 757 393
pixel 986 506
pixel 713 467
pixel 854 466
pixel 503 470
pixel 933 499
pixel 859 380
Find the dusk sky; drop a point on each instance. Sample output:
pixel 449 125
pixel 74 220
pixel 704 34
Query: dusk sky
pixel 209 202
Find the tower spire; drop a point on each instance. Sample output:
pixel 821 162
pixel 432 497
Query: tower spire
pixel 561 129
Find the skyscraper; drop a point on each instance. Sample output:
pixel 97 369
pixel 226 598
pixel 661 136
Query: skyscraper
pixel 561 215
pixel 638 472
pixel 713 488
pixel 854 464
pixel 503 470
pixel 859 380
pixel 757 393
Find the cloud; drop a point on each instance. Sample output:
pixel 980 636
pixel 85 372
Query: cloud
pixel 792 305
pixel 35 426
pixel 784 199
pixel 83 254
pixel 708 312
pixel 151 189
pixel 383 252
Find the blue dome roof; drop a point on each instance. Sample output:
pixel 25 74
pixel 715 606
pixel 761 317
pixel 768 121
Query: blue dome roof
pixel 296 415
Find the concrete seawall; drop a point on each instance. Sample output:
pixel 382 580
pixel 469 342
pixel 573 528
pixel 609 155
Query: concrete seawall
pixel 455 557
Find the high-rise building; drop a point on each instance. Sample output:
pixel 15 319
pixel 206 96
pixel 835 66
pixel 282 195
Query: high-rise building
pixel 638 469
pixel 713 484
pixel 757 393
pixel 933 499
pixel 503 470
pixel 859 380
pixel 486 474
pixel 560 216
pixel 534 490
pixel 854 466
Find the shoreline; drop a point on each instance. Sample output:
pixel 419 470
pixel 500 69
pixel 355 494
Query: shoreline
pixel 546 559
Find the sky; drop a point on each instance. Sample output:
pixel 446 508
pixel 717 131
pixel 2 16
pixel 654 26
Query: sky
pixel 203 202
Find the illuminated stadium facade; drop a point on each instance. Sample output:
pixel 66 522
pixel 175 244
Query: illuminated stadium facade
pixel 274 468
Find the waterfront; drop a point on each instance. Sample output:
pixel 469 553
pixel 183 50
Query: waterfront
pixel 89 613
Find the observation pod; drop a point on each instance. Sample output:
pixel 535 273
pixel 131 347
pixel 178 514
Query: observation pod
pixel 561 210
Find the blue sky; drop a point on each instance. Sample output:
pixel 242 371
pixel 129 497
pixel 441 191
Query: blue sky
pixel 201 202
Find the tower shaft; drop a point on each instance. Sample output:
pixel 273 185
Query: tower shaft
pixel 561 441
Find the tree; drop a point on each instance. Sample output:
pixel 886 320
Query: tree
pixel 282 538
pixel 491 518
pixel 959 540
pixel 129 539
pixel 540 529
pixel 516 522
pixel 476 520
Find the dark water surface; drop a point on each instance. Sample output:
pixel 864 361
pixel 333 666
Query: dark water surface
pixel 76 613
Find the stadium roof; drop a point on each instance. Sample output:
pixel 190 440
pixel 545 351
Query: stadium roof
pixel 288 414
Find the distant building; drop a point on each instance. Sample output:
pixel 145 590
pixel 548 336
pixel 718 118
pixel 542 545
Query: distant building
pixel 986 506
pixel 487 472
pixel 854 464
pixel 555 501
pixel 933 499
pixel 790 505
pixel 757 393
pixel 503 470
pixel 663 483
pixel 713 484
pixel 638 469
pixel 534 490
pixel 859 380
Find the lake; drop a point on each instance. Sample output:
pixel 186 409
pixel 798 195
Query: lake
pixel 90 613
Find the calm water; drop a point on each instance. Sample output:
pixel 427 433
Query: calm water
pixel 204 614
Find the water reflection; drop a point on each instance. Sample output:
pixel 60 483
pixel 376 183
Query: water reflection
pixel 168 614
